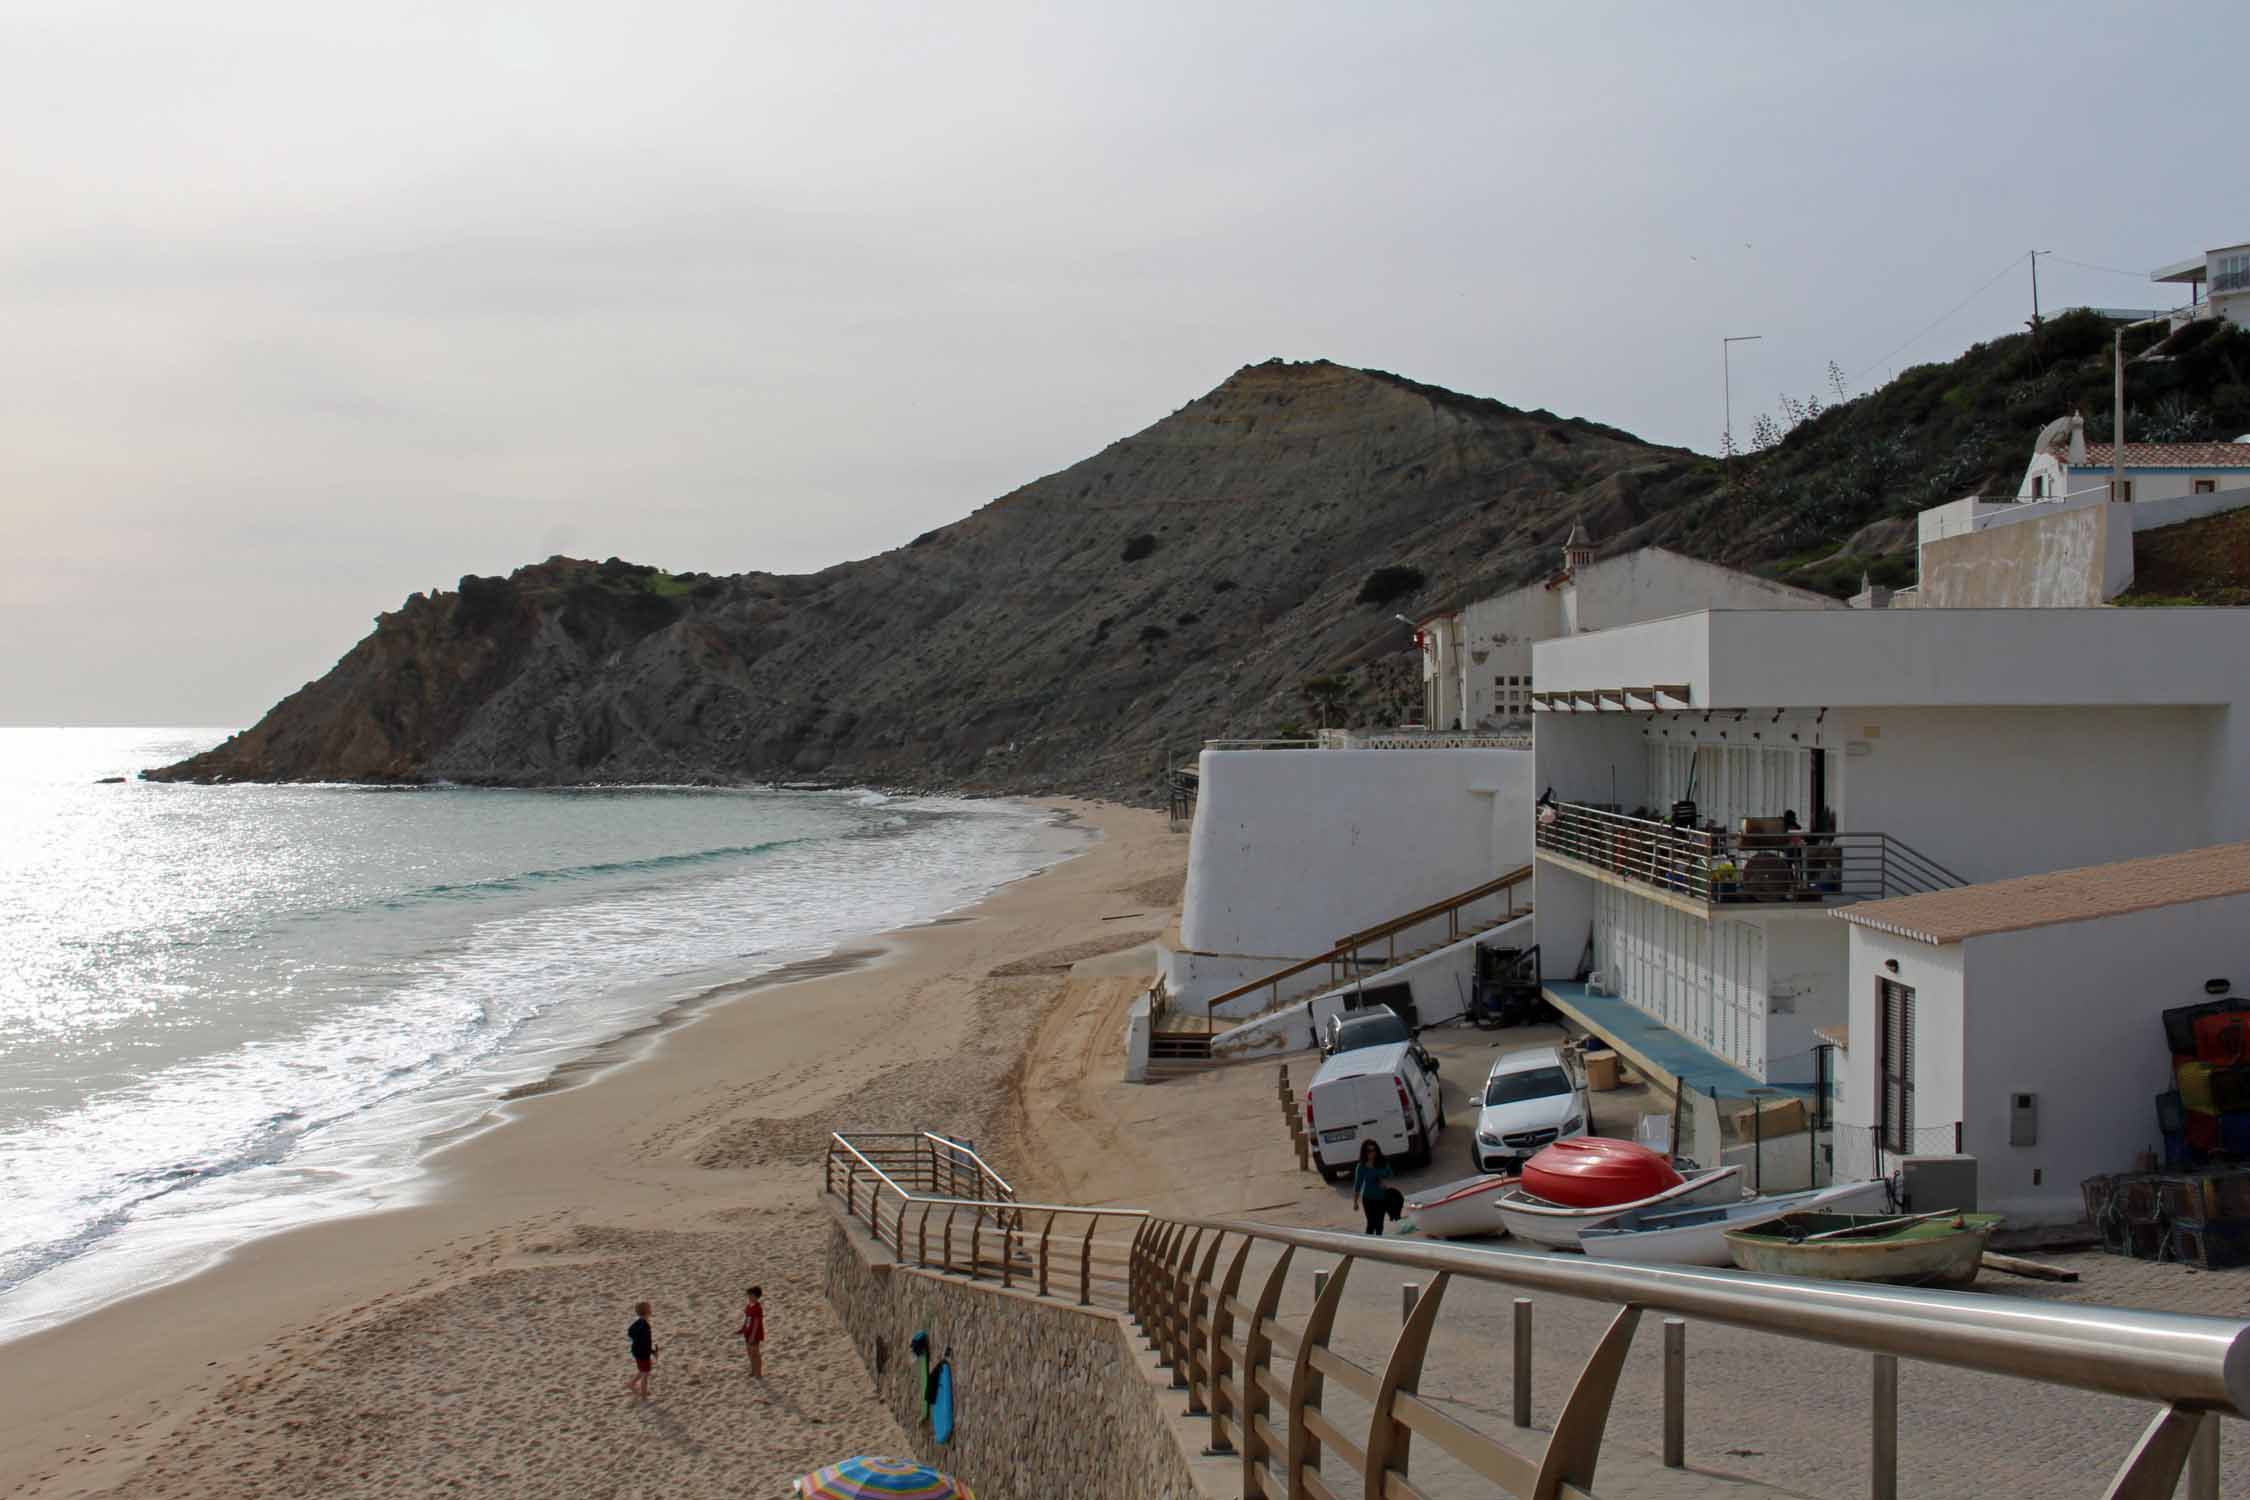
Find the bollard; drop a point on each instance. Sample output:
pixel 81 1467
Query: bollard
pixel 1675 1393
pixel 1407 1292
pixel 1522 1382
pixel 1319 1284
pixel 2203 1460
pixel 1883 1470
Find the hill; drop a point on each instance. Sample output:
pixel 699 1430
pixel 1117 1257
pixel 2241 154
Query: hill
pixel 1180 583
pixel 1183 583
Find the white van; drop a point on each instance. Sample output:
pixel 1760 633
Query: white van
pixel 1388 1094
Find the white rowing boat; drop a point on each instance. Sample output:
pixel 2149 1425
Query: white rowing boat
pixel 1460 1210
pixel 1698 1236
pixel 1539 1222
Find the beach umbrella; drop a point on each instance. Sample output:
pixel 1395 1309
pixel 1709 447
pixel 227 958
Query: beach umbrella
pixel 867 1478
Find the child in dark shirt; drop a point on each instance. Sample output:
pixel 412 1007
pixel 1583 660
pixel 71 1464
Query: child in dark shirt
pixel 643 1340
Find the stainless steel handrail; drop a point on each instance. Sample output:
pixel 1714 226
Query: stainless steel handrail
pixel 2179 1358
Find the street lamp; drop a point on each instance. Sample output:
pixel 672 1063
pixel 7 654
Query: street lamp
pixel 1726 367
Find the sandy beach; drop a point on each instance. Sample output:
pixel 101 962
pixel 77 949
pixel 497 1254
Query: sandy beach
pixel 475 1342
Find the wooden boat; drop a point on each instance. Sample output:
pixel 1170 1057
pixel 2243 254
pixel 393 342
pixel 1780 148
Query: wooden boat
pixel 1698 1236
pixel 1592 1171
pixel 1942 1249
pixel 1557 1225
pixel 1460 1210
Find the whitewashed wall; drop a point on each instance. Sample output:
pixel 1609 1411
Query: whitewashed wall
pixel 1292 849
pixel 1704 979
pixel 1651 583
pixel 1995 792
pixel 2070 1013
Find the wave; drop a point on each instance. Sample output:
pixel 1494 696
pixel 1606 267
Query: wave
pixel 525 879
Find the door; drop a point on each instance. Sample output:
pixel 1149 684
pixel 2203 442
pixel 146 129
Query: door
pixel 1894 1007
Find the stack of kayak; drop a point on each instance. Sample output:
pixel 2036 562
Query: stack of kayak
pixel 1589 1181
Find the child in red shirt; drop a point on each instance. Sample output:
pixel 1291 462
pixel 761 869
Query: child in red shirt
pixel 754 1331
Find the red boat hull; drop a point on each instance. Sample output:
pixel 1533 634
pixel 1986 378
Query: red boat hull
pixel 1590 1172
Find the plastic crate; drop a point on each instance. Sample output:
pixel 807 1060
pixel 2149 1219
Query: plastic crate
pixel 2179 1023
pixel 2230 1195
pixel 2195 1086
pixel 2098 1191
pixel 2203 1130
pixel 2213 1244
pixel 2230 1089
pixel 2234 1133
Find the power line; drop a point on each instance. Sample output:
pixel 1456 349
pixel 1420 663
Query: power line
pixel 2087 265
pixel 1941 317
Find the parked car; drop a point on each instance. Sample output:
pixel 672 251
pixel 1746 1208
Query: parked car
pixel 1530 1099
pixel 1388 1093
pixel 1379 1027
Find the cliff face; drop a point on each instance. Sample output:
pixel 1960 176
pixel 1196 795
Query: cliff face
pixel 1182 583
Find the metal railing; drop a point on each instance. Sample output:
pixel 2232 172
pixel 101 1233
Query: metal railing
pixel 1261 744
pixel 1344 961
pixel 1727 868
pixel 1000 1238
pixel 920 1161
pixel 1225 1344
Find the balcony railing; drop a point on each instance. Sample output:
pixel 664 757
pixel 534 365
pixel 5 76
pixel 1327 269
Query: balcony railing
pixel 1727 868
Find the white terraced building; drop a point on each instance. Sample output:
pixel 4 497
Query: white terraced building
pixel 1477 671
pixel 1917 750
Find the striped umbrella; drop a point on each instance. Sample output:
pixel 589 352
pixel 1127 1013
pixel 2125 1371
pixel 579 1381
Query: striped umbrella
pixel 866 1478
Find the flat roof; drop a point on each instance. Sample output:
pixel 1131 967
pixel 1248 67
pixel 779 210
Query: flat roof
pixel 2187 655
pixel 2080 895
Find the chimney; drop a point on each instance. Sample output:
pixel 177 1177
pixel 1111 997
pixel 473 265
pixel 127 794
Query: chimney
pixel 2077 440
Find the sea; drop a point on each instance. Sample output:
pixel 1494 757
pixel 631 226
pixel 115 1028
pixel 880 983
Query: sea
pixel 228 1010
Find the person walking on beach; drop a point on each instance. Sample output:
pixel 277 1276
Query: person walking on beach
pixel 754 1332
pixel 1370 1179
pixel 643 1341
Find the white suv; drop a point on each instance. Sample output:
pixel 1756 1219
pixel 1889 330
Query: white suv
pixel 1531 1098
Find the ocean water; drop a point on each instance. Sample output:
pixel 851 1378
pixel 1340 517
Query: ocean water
pixel 224 1010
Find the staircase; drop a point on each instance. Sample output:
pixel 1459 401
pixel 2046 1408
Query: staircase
pixel 1177 1051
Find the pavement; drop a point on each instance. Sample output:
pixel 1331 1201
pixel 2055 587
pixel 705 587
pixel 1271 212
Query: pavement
pixel 1766 1415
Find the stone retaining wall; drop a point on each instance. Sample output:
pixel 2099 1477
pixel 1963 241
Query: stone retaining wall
pixel 1049 1398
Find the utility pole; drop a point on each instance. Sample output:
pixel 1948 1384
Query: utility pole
pixel 2035 294
pixel 2117 421
pixel 1726 368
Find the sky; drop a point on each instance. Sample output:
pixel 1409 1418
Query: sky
pixel 304 308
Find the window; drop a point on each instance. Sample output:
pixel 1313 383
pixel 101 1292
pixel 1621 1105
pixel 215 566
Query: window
pixel 2124 489
pixel 1895 1004
pixel 2038 486
pixel 2206 486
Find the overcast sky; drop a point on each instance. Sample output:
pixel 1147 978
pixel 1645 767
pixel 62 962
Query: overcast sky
pixel 307 307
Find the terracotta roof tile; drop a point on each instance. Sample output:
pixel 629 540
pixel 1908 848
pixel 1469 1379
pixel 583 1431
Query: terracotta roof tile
pixel 2061 896
pixel 2166 455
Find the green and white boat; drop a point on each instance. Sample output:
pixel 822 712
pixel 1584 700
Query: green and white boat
pixel 1941 1249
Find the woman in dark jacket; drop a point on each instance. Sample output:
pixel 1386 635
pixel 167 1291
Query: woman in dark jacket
pixel 1371 1185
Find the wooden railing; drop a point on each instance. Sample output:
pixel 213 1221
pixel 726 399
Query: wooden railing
pixel 1262 1383
pixel 1343 961
pixel 1003 1239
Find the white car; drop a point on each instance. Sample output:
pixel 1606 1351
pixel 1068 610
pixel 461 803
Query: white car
pixel 1531 1099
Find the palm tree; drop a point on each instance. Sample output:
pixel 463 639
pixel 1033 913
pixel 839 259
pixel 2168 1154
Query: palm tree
pixel 1325 695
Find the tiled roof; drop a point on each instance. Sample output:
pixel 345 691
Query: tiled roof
pixel 2168 455
pixel 2061 896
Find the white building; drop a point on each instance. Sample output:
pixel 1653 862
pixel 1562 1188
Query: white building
pixel 2218 282
pixel 2029 1011
pixel 1292 851
pixel 2066 537
pixel 1476 661
pixel 1916 749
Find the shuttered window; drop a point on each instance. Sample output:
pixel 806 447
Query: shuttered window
pixel 1896 1002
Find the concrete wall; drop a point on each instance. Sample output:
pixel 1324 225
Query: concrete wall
pixel 1651 583
pixel 1918 657
pixel 1050 1399
pixel 2232 494
pixel 1497 637
pixel 2068 554
pixel 1997 792
pixel 1293 849
pixel 2070 1013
